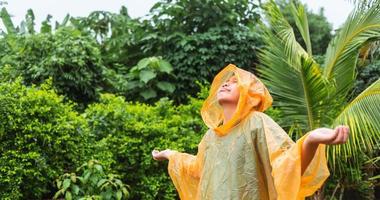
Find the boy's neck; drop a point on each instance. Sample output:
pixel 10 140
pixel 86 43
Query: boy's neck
pixel 228 110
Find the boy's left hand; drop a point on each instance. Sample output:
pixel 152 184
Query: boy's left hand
pixel 339 135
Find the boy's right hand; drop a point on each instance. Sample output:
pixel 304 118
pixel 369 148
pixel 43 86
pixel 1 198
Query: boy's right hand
pixel 161 155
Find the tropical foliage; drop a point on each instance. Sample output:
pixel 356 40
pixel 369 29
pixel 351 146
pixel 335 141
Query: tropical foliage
pixel 312 95
pixel 40 138
pixel 94 183
pixel 83 101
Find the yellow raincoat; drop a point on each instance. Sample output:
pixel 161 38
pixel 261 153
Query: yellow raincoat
pixel 249 157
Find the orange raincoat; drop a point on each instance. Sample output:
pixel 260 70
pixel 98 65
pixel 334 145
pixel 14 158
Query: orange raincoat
pixel 249 157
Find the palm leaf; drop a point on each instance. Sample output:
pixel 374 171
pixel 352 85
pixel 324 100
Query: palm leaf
pixel 363 3
pixel 7 21
pixel 293 77
pixel 302 24
pixel 29 20
pixel 284 32
pixel 362 115
pixel 362 25
pixel 299 93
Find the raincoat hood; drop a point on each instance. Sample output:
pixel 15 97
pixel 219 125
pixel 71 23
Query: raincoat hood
pixel 254 96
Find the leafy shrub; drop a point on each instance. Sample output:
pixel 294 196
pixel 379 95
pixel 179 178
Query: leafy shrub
pixel 366 76
pixel 130 131
pixel 40 138
pixel 198 57
pixel 94 183
pixel 72 59
pixel 197 37
pixel 147 81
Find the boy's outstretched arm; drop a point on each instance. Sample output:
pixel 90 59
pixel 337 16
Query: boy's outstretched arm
pixel 328 136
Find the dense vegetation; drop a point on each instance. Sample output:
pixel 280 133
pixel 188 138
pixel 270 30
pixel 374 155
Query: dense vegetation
pixel 84 101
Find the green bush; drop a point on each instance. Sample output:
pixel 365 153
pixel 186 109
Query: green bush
pixel 130 131
pixel 71 58
pixel 197 37
pixel 145 82
pixel 94 183
pixel 366 76
pixel 40 138
pixel 199 56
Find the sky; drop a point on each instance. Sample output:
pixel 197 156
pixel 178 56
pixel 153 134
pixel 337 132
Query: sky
pixel 336 11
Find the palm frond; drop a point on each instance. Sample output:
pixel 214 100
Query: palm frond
pixel 293 77
pixel 298 93
pixel 362 115
pixel 298 87
pixel 29 20
pixel 282 29
pixel 364 3
pixel 300 17
pixel 362 25
pixel 7 21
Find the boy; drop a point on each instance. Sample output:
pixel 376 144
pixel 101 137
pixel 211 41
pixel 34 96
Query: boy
pixel 245 154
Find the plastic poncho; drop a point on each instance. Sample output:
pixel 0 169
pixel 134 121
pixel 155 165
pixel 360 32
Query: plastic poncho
pixel 249 157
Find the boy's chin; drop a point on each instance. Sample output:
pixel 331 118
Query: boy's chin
pixel 226 101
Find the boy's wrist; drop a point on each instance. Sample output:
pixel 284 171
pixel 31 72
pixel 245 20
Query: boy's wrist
pixel 312 139
pixel 169 153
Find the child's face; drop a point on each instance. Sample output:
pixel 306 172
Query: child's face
pixel 228 92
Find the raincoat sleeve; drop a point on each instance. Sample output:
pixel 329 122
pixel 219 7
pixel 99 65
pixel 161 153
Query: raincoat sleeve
pixel 285 160
pixel 185 170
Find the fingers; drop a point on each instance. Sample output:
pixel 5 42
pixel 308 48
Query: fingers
pixel 330 135
pixel 341 135
pixel 156 154
pixel 346 133
pixel 161 155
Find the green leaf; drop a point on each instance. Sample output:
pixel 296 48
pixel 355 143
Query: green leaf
pixel 61 191
pixel 46 27
pixel 362 25
pixel 300 17
pixel 148 94
pixel 133 85
pixel 119 195
pixel 99 168
pixel 75 189
pixel 143 63
pixel 87 175
pixel 7 21
pixel 66 183
pixel 293 77
pixel 362 115
pixel 29 18
pixel 165 66
pixel 125 192
pixel 64 22
pixel 73 178
pixel 374 177
pixel 101 182
pixel 166 86
pixel 59 183
pixel 283 34
pixel 68 196
pixel 147 75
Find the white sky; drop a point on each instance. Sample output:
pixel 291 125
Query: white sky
pixel 336 11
